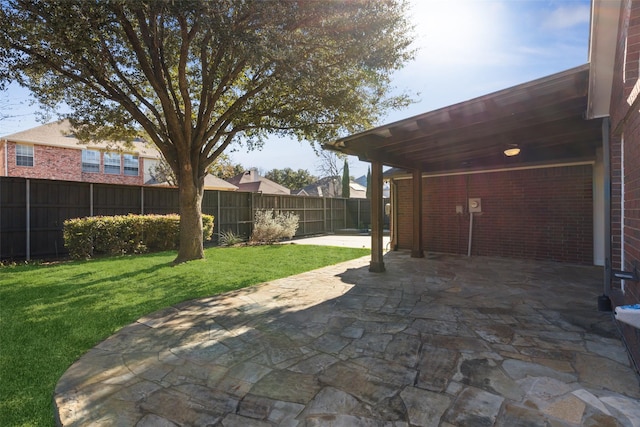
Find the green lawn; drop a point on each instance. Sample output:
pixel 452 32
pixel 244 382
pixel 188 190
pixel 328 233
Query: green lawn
pixel 51 314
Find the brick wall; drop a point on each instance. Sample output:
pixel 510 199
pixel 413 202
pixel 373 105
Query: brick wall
pixel 542 214
pixel 625 125
pixel 3 147
pixel 48 163
pixel 65 164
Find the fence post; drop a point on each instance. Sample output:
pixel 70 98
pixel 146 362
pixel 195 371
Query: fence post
pixel 90 199
pixel 324 213
pixel 304 217
pixel 218 216
pixel 252 213
pixel 345 205
pixel 141 200
pixel 331 214
pixel 28 233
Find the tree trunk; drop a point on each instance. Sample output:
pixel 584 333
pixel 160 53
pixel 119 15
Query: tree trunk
pixel 191 243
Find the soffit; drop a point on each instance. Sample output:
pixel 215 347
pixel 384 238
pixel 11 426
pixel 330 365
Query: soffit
pixel 545 118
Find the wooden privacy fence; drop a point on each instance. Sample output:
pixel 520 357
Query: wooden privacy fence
pixel 32 211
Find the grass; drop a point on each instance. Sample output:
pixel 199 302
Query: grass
pixel 51 314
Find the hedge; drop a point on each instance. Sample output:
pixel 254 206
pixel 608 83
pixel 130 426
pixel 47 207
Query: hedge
pixel 125 234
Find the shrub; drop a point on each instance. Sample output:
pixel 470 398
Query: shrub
pixel 125 234
pixel 229 238
pixel 270 226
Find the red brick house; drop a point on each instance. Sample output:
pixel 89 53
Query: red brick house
pixel 569 189
pixel 51 151
pixel 614 95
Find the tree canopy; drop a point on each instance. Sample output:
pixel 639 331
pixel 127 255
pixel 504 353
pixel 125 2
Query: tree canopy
pixel 222 167
pixel 292 179
pixel 194 76
pixel 346 180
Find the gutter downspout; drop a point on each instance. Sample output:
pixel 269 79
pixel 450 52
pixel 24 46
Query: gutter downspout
pixel 604 301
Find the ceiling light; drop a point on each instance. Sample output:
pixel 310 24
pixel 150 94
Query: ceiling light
pixel 510 152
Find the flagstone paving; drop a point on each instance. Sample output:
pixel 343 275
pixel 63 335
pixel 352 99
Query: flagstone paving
pixel 439 341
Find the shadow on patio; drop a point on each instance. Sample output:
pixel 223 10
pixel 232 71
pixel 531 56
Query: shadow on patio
pixel 440 341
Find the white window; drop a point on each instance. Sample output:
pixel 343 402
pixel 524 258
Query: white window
pixel 131 165
pixel 24 155
pixel 90 161
pixel 112 163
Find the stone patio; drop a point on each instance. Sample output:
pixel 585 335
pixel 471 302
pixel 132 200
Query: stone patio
pixel 440 341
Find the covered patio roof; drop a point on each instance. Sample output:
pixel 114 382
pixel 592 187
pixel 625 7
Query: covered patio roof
pixel 545 118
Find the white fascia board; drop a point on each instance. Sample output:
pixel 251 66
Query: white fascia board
pixel 605 20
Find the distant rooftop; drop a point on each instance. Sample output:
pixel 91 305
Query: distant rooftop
pixel 252 181
pixel 59 134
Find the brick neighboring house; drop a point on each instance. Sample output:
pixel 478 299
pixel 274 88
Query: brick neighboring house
pixel 51 151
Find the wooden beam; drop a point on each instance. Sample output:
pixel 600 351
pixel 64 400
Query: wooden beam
pixel 555 95
pixel 483 136
pixel 565 114
pixel 417 248
pixel 377 262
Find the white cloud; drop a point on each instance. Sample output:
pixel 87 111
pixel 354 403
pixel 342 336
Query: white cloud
pixel 567 17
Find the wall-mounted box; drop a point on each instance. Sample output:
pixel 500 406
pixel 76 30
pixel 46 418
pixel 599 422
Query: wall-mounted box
pixel 475 205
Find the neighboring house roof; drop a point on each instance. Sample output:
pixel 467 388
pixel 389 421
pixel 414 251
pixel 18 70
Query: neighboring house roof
pixel 362 180
pixel 328 186
pixel 214 183
pixel 300 193
pixel 59 134
pixel 252 181
pixel 210 183
pixel 357 191
pixel 331 186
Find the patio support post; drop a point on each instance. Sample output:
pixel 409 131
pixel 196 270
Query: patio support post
pixel 417 249
pixel 377 263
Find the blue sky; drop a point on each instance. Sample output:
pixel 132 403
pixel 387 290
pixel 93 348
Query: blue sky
pixel 466 48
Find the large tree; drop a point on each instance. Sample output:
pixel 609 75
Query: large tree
pixel 195 76
pixel 290 178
